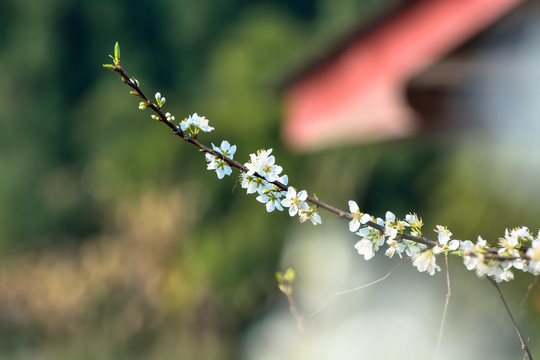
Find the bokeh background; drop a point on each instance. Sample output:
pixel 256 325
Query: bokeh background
pixel 117 243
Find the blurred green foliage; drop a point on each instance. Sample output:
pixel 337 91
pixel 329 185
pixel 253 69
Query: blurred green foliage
pixel 116 242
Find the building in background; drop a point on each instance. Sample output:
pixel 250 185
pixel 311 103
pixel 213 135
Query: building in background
pixel 425 65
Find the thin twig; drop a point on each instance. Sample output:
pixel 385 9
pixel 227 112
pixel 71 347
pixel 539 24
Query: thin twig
pixel 285 284
pixel 354 289
pixel 297 317
pixel 448 295
pixel 520 335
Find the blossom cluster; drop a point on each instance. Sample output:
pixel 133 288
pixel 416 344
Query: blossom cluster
pixel 264 177
pixel 518 249
pixel 261 176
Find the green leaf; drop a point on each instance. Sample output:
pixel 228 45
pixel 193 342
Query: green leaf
pixel 289 275
pixel 108 66
pixel 117 51
pixel 279 277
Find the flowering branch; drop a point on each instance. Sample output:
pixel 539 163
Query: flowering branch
pixel 263 176
pixel 518 249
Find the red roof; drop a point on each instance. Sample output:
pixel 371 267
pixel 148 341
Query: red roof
pixel 357 94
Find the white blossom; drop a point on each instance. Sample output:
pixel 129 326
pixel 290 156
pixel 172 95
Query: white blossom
pixel 216 163
pixel 473 256
pixel 196 123
pixel 372 239
pixel 364 219
pixel 226 149
pixel 414 220
pixel 466 245
pixel 394 247
pixel 202 123
pixel 425 261
pixel 472 261
pixel 354 224
pixel 365 247
pixel 390 217
pixel 506 275
pixel 272 199
pixel 412 248
pixel 519 264
pixel 253 184
pixel 310 215
pixel 295 202
pixel 445 244
pixel 391 231
pixel 534 255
